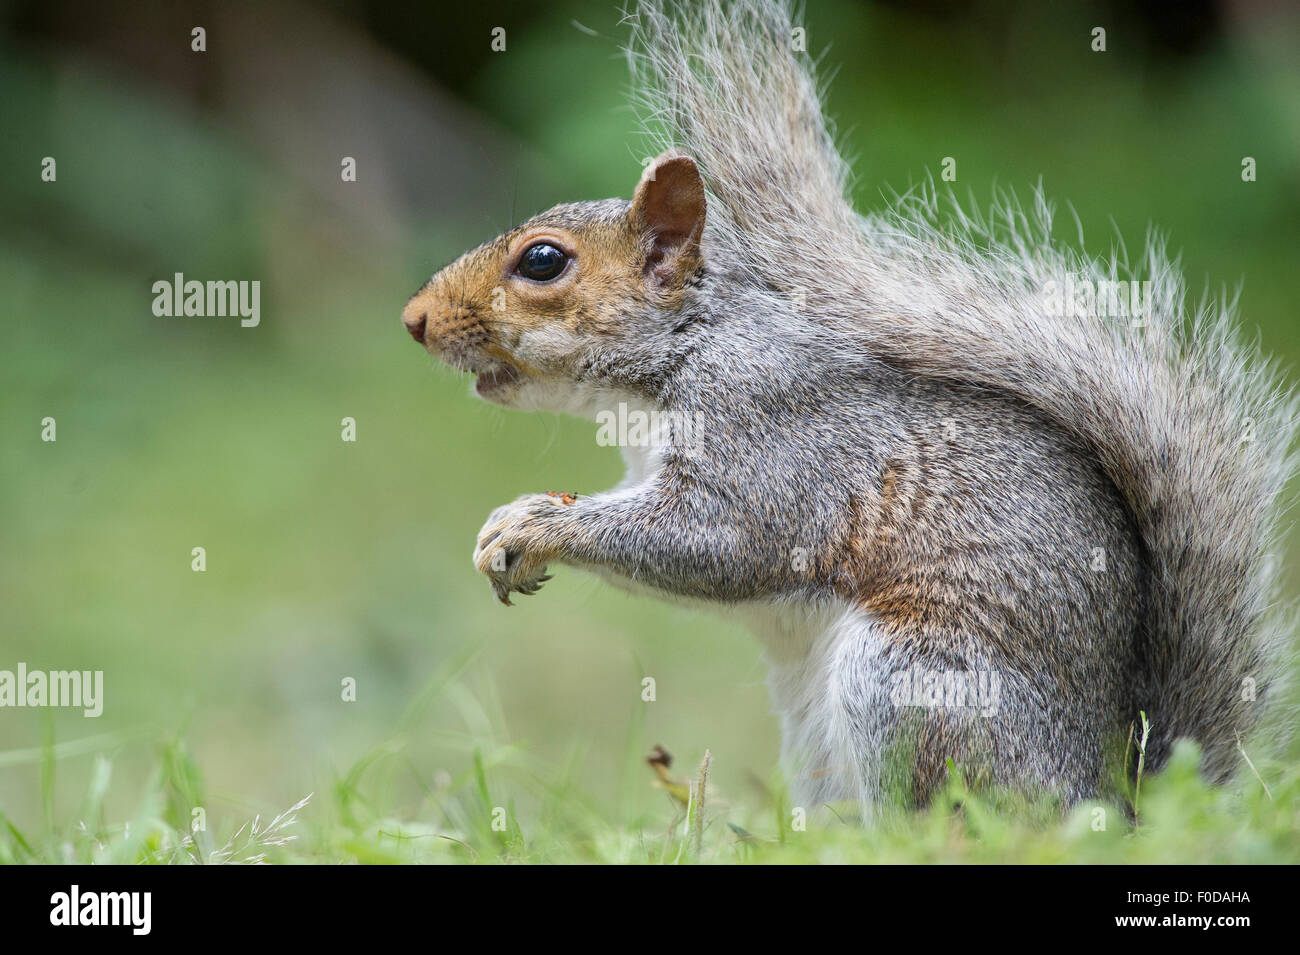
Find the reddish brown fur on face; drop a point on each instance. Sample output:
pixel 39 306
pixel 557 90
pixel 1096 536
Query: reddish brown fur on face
pixel 480 308
pixel 453 302
pixel 620 258
pixel 455 324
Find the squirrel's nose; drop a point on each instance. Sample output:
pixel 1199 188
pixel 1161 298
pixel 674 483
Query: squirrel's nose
pixel 414 317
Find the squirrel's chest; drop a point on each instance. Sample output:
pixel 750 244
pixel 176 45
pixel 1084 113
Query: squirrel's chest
pixel 638 428
pixel 642 460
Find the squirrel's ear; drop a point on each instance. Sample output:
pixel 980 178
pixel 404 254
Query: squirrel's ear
pixel 669 205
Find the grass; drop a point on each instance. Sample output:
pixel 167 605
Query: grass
pixel 505 806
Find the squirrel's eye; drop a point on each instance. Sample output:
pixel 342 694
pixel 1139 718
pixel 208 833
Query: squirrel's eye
pixel 542 262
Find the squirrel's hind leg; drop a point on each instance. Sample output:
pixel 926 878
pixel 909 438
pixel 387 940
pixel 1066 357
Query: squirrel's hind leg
pixel 869 716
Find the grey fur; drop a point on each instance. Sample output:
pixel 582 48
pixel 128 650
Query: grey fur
pixel 1163 408
pixel 900 461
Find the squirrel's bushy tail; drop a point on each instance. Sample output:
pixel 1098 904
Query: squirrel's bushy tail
pixel 1192 425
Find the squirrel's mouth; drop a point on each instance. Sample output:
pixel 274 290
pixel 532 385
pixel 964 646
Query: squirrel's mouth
pixel 493 378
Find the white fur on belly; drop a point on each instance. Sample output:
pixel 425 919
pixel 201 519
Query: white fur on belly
pixel 828 680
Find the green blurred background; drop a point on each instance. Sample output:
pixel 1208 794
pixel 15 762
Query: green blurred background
pixel 327 559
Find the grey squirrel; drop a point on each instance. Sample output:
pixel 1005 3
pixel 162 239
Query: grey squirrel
pixel 971 527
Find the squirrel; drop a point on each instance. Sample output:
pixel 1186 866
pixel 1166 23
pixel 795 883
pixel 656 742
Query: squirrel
pixel 970 529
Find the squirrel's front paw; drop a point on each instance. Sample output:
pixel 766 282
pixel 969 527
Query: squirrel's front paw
pixel 514 545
